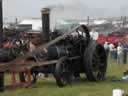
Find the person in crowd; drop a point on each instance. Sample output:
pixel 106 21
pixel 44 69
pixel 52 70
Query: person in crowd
pixel 106 47
pixel 125 49
pixel 119 54
pixel 94 35
pixel 111 49
pixel 31 46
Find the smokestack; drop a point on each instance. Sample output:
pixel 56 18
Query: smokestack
pixel 45 24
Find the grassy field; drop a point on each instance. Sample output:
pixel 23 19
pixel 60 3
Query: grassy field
pixel 48 87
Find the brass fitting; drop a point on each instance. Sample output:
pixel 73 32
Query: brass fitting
pixel 45 10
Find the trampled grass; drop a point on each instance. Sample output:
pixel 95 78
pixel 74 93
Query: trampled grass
pixel 48 87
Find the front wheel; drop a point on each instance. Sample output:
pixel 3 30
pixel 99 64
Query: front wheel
pixel 63 72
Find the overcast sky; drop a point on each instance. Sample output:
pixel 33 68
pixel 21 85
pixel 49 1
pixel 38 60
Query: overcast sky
pixel 67 8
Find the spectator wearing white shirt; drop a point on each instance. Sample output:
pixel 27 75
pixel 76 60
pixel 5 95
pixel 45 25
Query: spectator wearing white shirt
pixel 94 35
pixel 119 54
pixel 111 49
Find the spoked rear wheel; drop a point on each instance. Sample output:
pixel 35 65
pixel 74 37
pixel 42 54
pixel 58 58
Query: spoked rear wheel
pixel 63 73
pixel 95 62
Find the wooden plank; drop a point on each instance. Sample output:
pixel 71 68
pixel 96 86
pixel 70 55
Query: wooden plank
pixel 4 67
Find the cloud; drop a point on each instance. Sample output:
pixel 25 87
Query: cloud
pixel 71 8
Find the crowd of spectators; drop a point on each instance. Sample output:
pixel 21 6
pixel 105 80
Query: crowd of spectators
pixel 117 52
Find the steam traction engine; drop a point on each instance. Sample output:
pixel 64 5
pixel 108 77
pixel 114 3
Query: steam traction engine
pixel 71 55
pixel 66 55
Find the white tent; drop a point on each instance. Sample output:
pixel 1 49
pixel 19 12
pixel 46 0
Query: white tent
pixel 99 22
pixel 36 23
pixel 84 23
